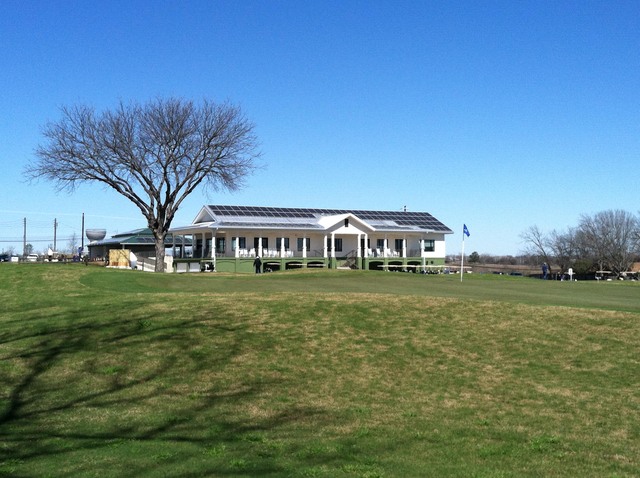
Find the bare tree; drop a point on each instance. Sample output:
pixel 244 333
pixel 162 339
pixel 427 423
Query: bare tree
pixel 154 154
pixel 72 244
pixel 563 247
pixel 537 243
pixel 610 238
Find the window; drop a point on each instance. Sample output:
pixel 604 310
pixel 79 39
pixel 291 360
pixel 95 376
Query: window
pixel 279 243
pixel 346 222
pixel 221 244
pixel 399 243
pixel 242 243
pixel 301 243
pixel 265 243
pixel 429 245
pixel 338 244
pixel 380 244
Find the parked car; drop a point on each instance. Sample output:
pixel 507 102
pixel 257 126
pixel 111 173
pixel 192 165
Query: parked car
pixel 5 257
pixel 32 258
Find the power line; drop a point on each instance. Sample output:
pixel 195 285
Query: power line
pixel 29 241
pixel 58 214
pixel 28 226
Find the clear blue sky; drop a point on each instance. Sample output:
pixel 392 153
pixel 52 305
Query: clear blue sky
pixel 497 114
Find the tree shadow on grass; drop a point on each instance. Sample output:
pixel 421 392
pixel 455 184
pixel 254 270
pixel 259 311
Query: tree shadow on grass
pixel 133 394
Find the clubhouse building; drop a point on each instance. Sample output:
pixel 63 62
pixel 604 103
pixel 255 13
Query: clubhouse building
pixel 228 238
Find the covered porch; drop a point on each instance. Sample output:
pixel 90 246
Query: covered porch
pixel 207 247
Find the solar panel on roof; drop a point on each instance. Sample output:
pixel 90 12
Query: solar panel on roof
pixel 272 225
pixel 401 218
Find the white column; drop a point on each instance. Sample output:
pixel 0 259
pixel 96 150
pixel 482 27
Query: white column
pixel 386 246
pixel 259 251
pixel 366 245
pixel 324 246
pixel 404 247
pixel 333 244
pixel 359 248
pixel 282 247
pixel 304 247
pixel 237 247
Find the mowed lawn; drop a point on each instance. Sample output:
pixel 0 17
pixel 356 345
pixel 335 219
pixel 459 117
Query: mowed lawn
pixel 315 374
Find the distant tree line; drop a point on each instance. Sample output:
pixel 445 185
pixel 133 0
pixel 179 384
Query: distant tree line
pixel 605 241
pixel 608 240
pixel 505 260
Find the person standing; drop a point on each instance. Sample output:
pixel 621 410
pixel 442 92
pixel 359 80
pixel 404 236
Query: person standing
pixel 545 270
pixel 257 263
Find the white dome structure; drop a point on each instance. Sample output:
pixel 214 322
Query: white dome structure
pixel 96 234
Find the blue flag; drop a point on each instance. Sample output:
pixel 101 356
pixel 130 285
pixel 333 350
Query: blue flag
pixel 465 230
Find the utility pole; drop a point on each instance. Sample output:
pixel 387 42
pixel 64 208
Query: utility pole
pixel 82 234
pixel 55 231
pixel 24 238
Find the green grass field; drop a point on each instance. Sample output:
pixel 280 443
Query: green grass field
pixel 315 374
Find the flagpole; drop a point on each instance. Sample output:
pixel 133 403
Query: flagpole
pixel 465 232
pixel 462 260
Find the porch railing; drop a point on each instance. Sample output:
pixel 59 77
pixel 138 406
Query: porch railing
pixel 316 253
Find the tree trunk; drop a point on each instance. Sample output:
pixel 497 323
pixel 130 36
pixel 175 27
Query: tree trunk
pixel 159 236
